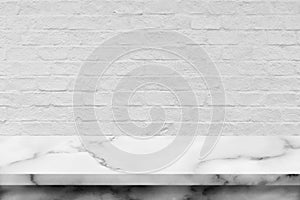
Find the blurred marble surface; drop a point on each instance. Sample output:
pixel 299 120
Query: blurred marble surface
pixel 150 193
pixel 235 160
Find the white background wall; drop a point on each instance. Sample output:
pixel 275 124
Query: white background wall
pixel 254 44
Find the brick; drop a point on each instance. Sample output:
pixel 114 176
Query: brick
pixel 192 7
pixel 225 7
pixel 282 68
pixel 291 115
pixel 54 84
pixel 112 7
pixel 238 53
pixel 206 22
pixel 49 38
pixel 254 7
pixel 254 22
pixel 9 8
pixel 291 53
pixel 282 7
pixel 282 38
pixel 21 69
pixel 159 7
pixel 222 37
pixel 65 68
pixel 261 84
pixel 282 99
pixel 10 38
pixel 253 115
pixel 245 98
pixel 20 84
pixel 49 8
pixel 252 37
pixel 242 68
pixel 53 53
pixel 21 54
pixel 40 113
pixel 292 22
pixel 269 53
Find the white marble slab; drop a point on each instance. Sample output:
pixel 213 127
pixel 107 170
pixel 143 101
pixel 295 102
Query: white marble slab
pixel 235 160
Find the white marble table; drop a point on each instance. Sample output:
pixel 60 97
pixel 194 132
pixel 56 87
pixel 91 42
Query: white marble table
pixel 235 160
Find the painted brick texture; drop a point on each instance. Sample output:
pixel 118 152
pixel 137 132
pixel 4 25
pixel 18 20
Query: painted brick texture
pixel 255 45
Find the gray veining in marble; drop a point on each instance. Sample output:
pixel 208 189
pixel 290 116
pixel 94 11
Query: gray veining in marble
pixel 150 193
pixel 62 160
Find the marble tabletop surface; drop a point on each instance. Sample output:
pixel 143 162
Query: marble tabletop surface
pixel 235 160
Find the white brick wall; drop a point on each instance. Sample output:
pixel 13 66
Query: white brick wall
pixel 255 45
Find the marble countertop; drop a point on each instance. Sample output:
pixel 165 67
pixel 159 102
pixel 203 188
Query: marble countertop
pixel 235 160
